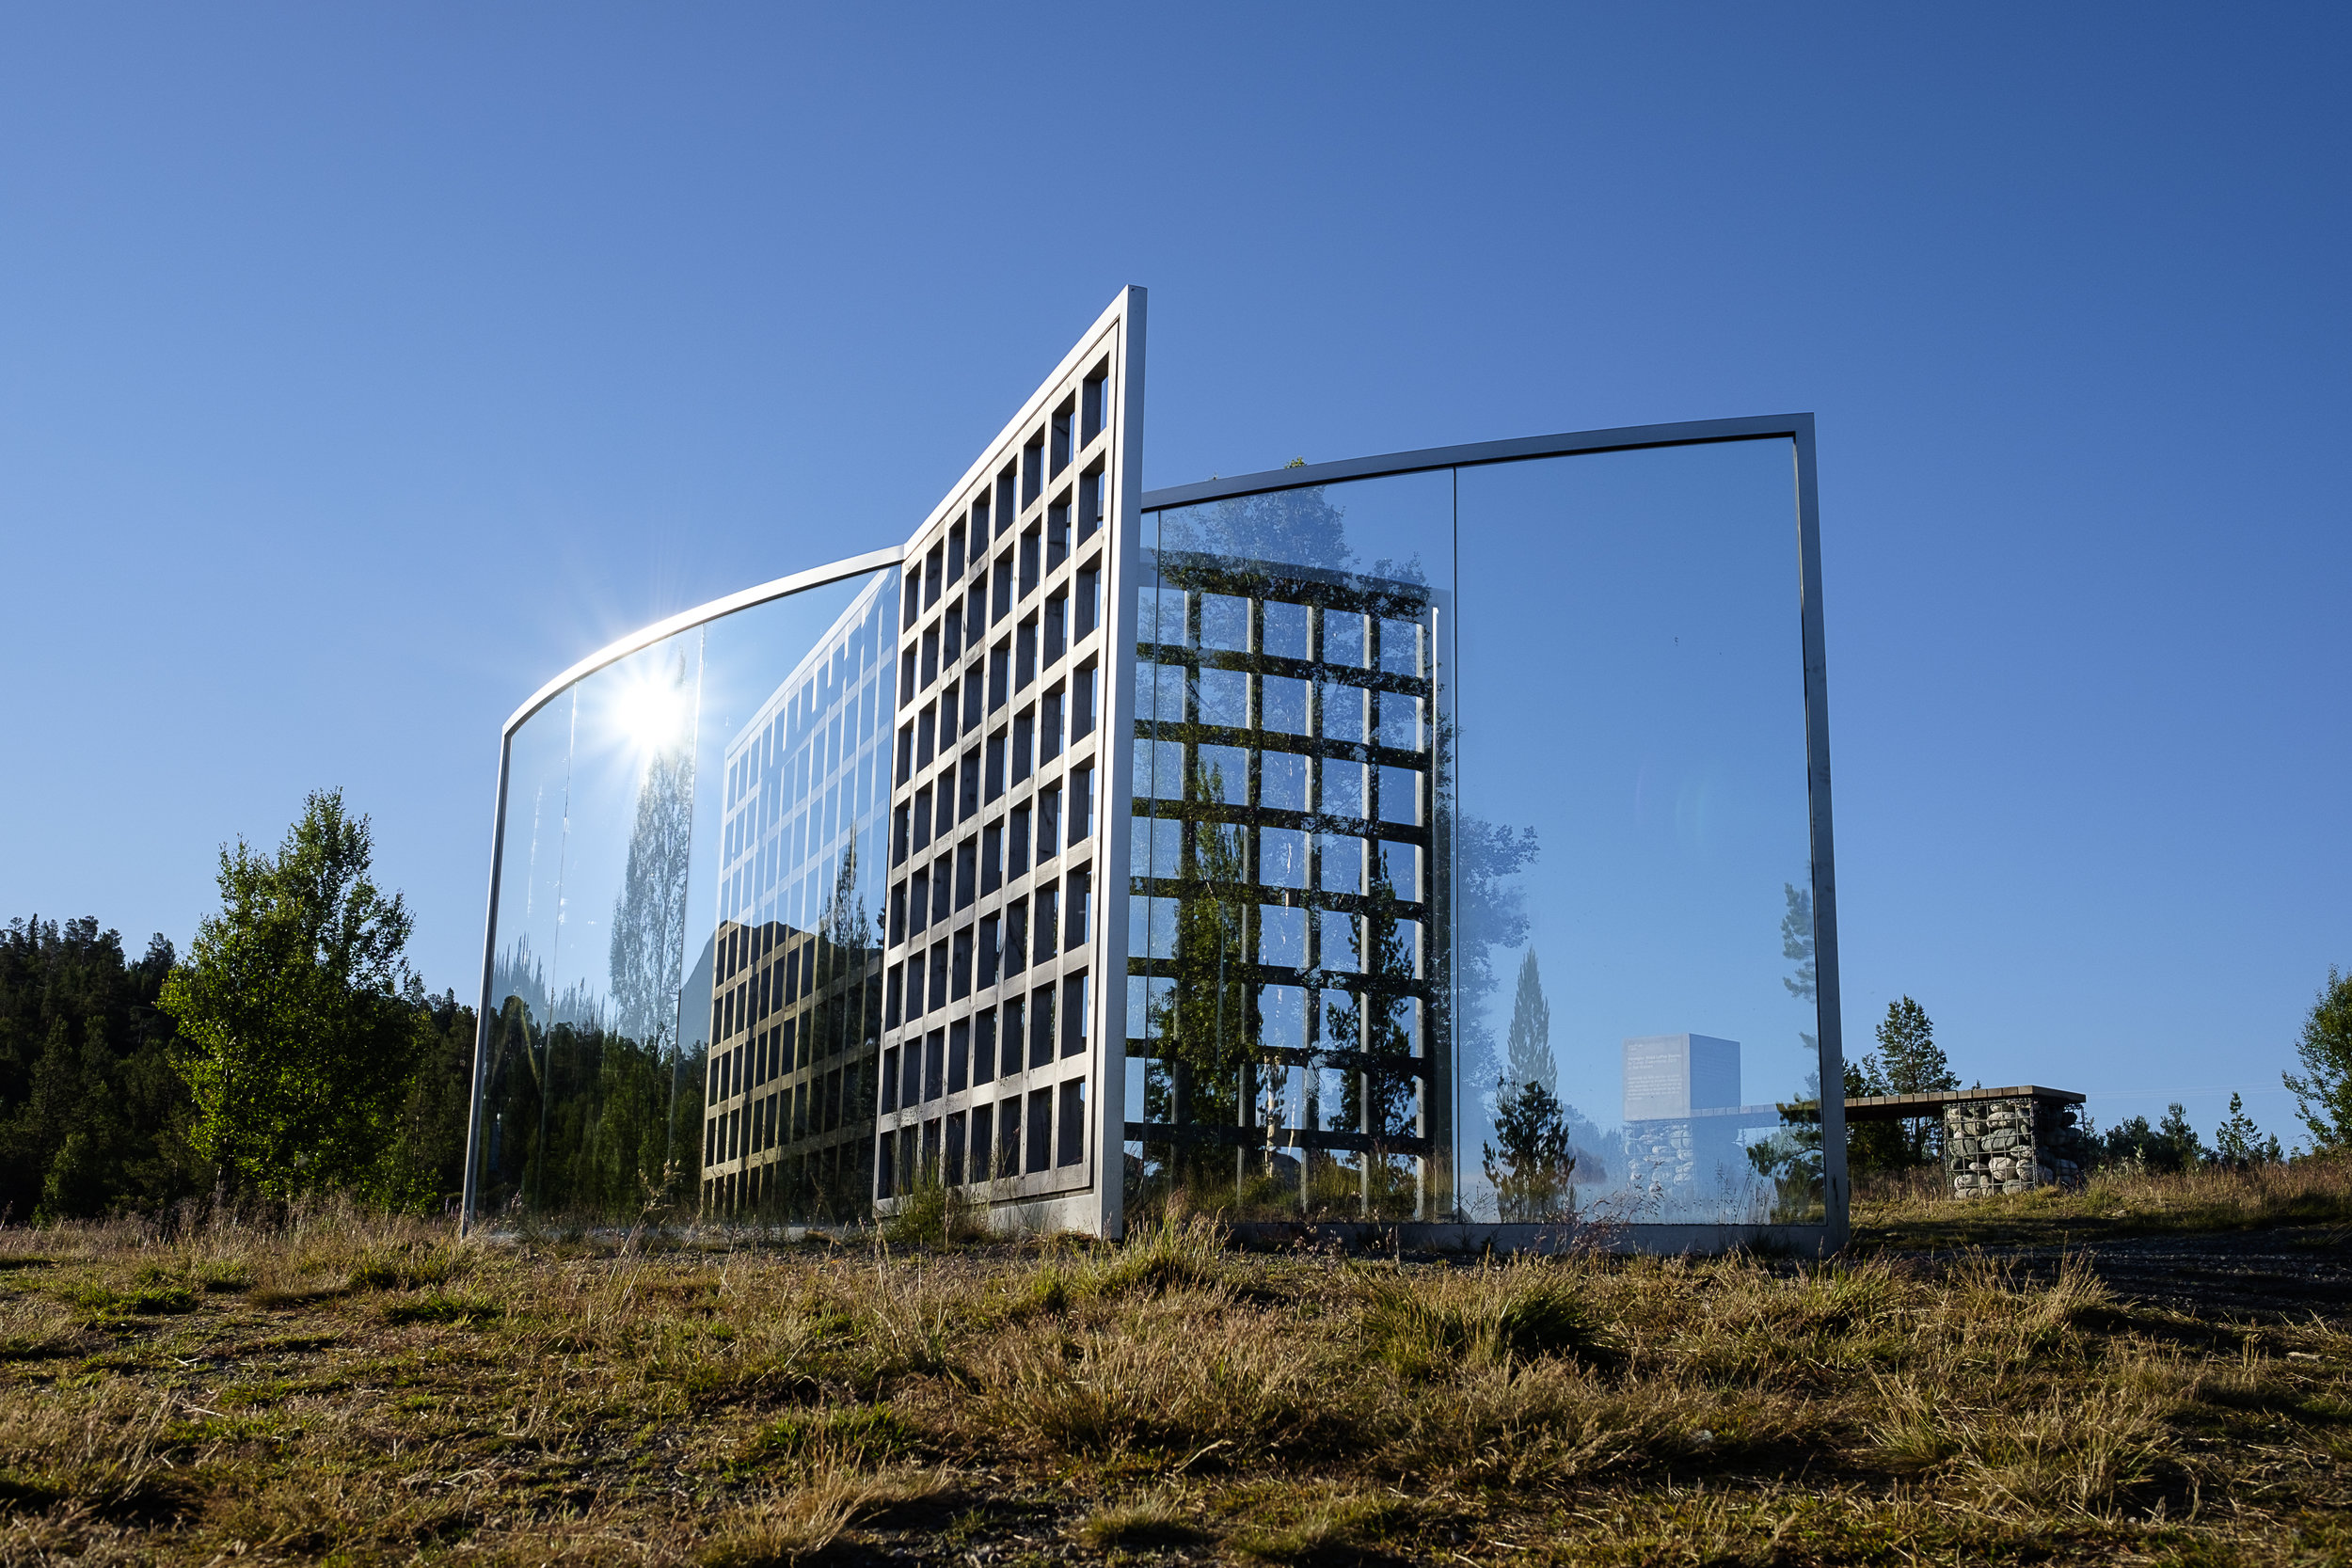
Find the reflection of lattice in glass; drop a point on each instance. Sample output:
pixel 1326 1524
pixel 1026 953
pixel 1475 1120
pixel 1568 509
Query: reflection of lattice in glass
pixel 1280 908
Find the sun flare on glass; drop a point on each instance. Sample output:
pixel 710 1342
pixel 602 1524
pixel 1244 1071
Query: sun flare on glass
pixel 651 712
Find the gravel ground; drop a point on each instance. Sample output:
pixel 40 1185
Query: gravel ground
pixel 2261 1276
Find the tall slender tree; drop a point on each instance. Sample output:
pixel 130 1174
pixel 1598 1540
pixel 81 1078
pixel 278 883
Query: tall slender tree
pixel 648 952
pixel 1914 1064
pixel 299 1044
pixel 2239 1145
pixel 1529 1043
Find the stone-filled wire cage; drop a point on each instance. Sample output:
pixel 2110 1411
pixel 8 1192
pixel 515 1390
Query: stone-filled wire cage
pixel 1437 840
pixel 2014 1142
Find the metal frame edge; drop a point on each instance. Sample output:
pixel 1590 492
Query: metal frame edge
pixel 685 619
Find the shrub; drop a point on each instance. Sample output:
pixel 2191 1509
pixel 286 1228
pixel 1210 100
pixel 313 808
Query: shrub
pixel 931 1213
pixel 2323 1094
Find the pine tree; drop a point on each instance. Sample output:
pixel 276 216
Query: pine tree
pixel 2238 1144
pixel 1872 1146
pixel 1532 1169
pixel 1914 1064
pixel 2186 1149
pixel 1530 1040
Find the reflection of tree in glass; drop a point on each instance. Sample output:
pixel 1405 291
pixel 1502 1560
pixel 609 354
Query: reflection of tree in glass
pixel 1796 944
pixel 1533 1168
pixel 1295 528
pixel 648 952
pixel 850 930
pixel 577 1118
pixel 1530 1040
pixel 1387 1078
pixel 518 974
pixel 584 1108
pixel 1790 1158
pixel 1493 918
pixel 847 934
pixel 1534 1130
pixel 1207 1021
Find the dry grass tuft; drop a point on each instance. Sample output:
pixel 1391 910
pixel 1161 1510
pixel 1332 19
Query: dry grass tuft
pixel 1317 1528
pixel 1152 1519
pixel 1188 1377
pixel 795 1523
pixel 1523 1312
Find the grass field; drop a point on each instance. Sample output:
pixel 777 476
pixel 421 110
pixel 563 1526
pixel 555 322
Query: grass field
pixel 1912 1210
pixel 366 1390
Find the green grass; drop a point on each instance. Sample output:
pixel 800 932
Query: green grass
pixel 363 1390
pixel 439 1308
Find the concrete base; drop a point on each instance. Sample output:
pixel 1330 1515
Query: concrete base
pixel 1466 1240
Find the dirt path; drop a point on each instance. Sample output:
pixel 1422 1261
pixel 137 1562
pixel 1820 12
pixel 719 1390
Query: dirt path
pixel 2262 1276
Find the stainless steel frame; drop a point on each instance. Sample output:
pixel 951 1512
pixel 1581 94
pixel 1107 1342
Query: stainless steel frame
pixel 1797 429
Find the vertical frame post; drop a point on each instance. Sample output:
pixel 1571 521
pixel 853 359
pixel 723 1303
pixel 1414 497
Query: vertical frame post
pixel 471 1189
pixel 1834 1192
pixel 1116 751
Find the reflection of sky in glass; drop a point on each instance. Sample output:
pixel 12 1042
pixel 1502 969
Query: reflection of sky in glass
pixel 800 780
pixel 1634 692
pixel 531 880
pixel 623 712
pixel 575 769
pixel 1631 690
pixel 612 817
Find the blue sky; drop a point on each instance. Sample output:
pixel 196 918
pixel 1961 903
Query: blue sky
pixel 362 366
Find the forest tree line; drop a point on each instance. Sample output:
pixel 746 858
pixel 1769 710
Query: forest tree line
pixel 290 1053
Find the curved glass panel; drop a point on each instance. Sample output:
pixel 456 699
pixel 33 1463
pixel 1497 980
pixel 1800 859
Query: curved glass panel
pixel 684 950
pixel 1637 876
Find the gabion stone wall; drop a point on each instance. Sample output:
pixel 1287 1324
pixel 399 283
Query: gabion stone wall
pixel 2011 1145
pixel 1683 1154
